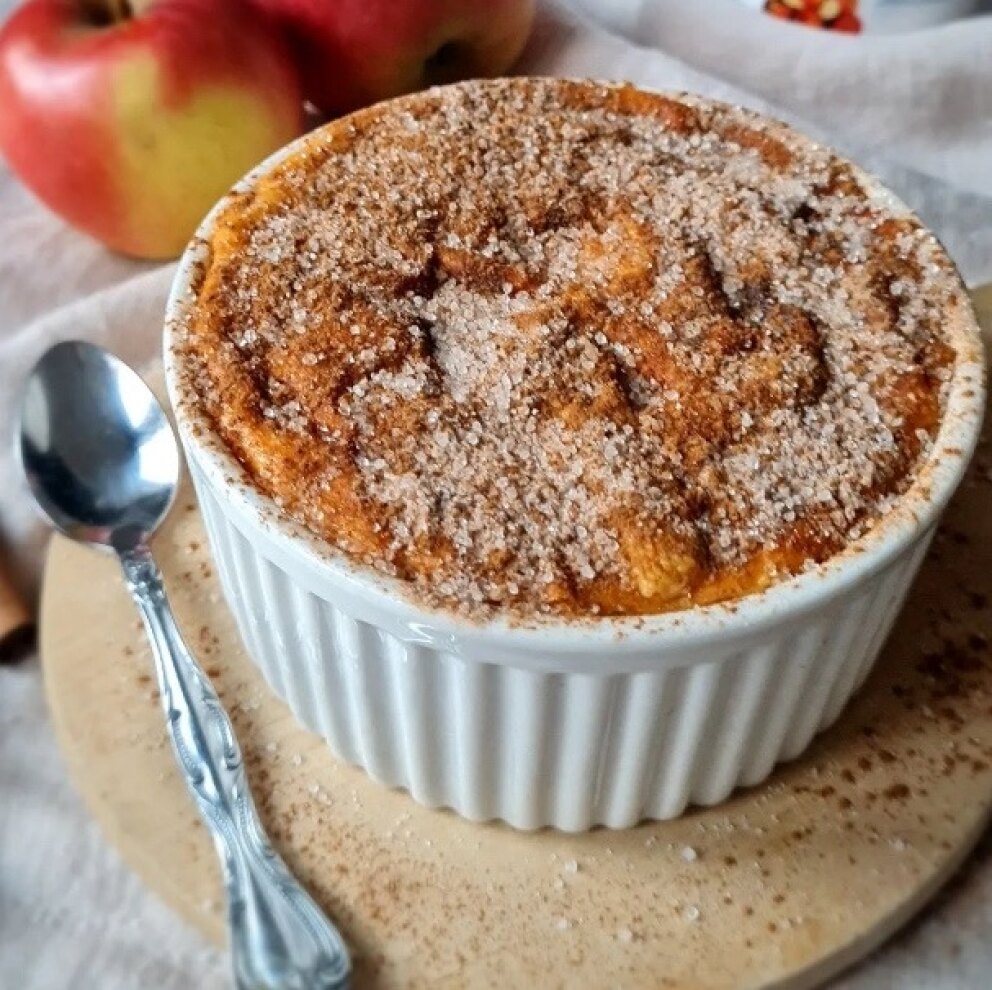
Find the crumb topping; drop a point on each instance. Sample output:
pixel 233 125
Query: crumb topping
pixel 541 346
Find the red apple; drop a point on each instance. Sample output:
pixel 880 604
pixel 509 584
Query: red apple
pixel 355 52
pixel 130 119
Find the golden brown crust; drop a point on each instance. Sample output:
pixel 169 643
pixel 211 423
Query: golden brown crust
pixel 550 346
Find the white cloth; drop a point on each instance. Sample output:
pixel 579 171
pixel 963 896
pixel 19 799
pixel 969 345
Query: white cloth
pixel 916 108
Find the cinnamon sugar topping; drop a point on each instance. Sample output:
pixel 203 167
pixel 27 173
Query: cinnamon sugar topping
pixel 553 347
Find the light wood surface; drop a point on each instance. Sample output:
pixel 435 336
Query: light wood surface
pixel 781 886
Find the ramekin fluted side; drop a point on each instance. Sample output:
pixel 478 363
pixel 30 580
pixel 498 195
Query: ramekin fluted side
pixel 562 749
pixel 562 723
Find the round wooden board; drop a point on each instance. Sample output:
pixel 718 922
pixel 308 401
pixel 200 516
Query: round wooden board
pixel 781 886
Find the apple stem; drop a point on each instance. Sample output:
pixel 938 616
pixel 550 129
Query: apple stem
pixel 446 64
pixel 105 13
pixel 120 10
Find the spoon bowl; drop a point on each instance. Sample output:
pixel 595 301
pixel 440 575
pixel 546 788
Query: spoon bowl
pixel 96 447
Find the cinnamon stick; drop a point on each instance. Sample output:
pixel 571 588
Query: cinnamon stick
pixel 16 621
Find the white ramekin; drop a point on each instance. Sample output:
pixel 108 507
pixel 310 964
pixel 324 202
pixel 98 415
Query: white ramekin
pixel 564 724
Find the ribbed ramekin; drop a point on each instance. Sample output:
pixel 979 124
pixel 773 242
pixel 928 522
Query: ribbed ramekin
pixel 563 724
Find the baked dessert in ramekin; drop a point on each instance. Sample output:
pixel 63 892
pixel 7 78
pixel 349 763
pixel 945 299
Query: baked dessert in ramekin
pixel 566 449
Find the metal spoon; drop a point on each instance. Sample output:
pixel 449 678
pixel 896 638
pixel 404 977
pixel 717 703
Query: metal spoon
pixel 102 462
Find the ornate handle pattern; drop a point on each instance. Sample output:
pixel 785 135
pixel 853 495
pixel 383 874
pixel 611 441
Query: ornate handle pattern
pixel 280 940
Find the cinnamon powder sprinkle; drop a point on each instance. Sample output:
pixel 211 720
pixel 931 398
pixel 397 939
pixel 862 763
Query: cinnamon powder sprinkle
pixel 548 347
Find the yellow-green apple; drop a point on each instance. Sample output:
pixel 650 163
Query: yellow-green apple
pixel 129 118
pixel 355 52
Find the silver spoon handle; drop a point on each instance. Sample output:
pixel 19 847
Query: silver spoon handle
pixel 279 938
